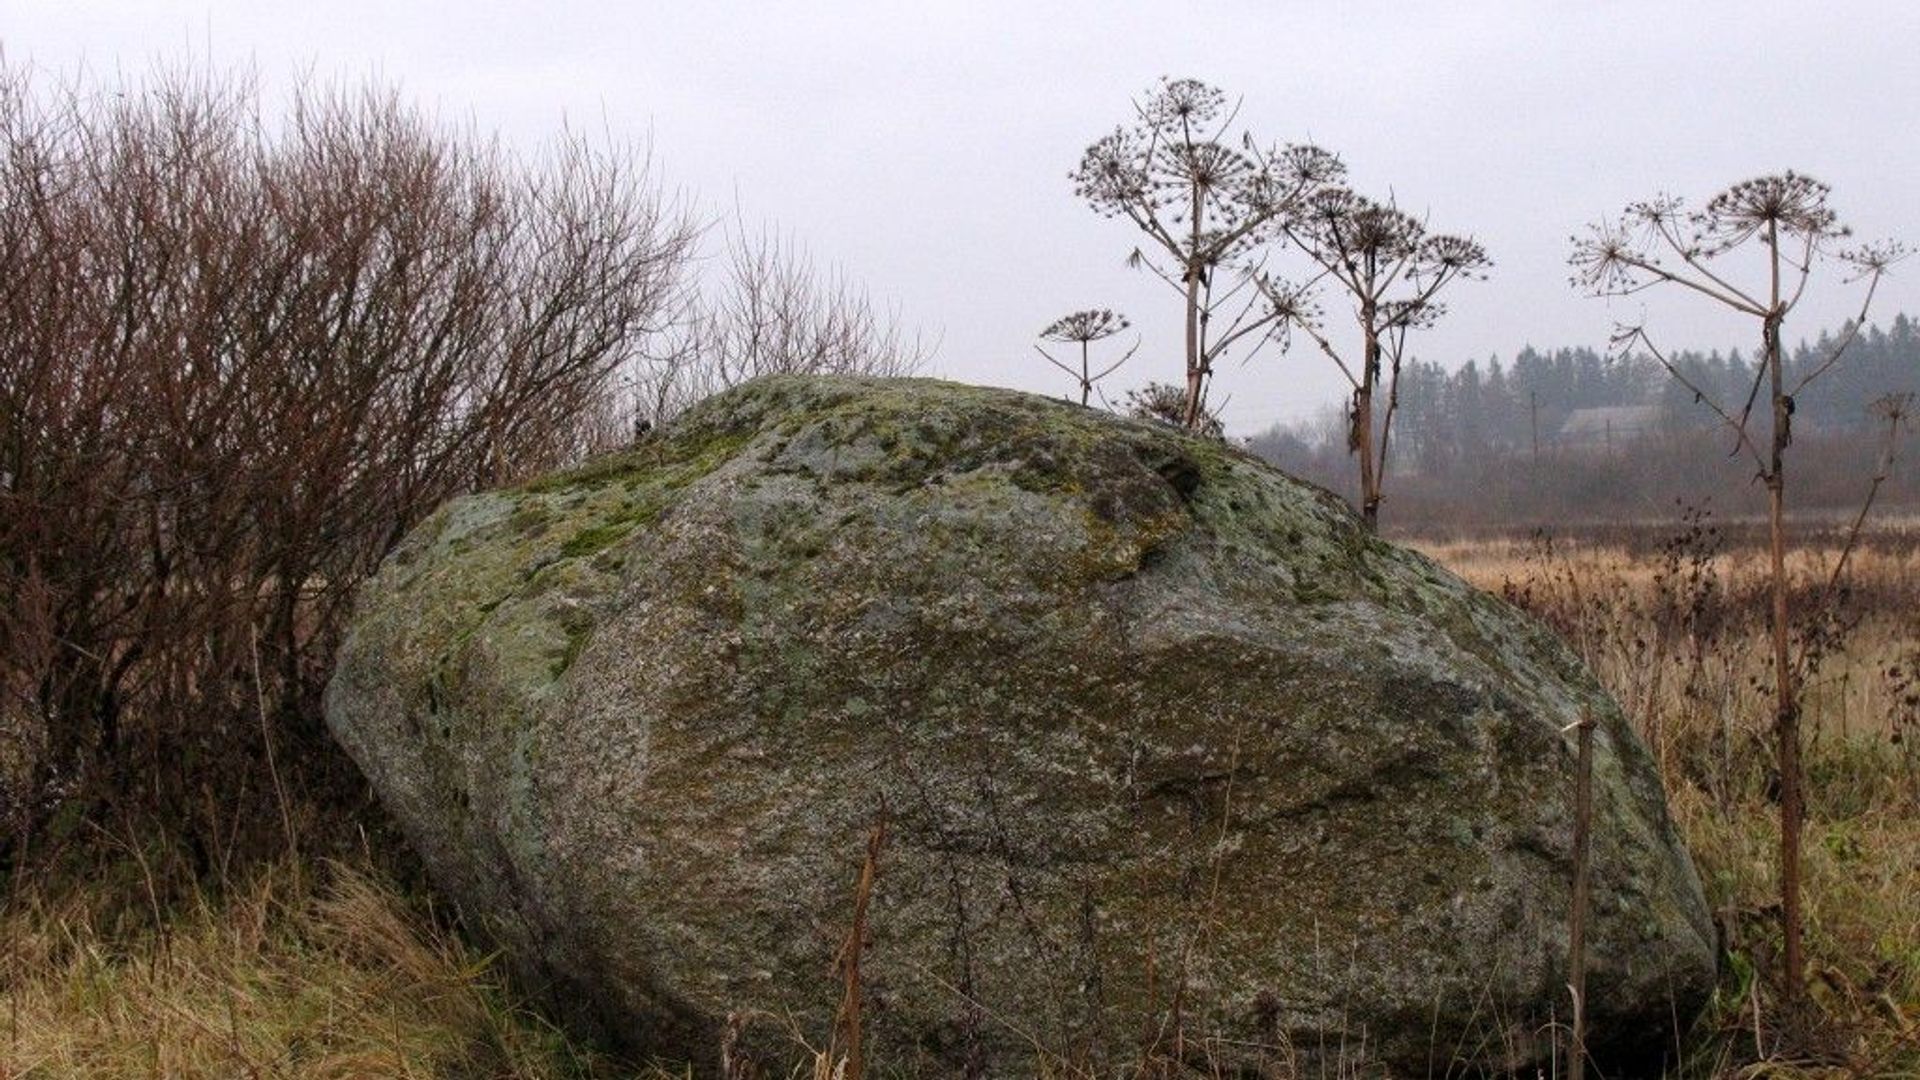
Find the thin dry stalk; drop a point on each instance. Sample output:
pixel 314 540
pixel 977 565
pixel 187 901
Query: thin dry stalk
pixel 266 739
pixel 1577 930
pixel 733 1064
pixel 844 1049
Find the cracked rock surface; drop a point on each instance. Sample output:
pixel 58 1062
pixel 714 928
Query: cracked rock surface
pixel 1148 720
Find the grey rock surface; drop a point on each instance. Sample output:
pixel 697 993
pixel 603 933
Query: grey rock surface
pixel 1168 747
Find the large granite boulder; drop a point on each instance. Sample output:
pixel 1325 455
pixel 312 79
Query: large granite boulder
pixel 1172 754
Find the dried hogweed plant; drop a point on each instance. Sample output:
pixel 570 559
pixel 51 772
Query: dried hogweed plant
pixel 1083 328
pixel 1752 249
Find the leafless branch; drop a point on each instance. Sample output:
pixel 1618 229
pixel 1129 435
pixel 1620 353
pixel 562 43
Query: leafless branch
pixel 1626 337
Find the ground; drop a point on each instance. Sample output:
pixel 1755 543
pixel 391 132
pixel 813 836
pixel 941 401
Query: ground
pixel 346 968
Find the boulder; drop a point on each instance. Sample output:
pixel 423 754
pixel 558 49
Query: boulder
pixel 1172 757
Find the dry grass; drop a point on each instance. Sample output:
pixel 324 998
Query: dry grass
pixel 311 971
pixel 1672 621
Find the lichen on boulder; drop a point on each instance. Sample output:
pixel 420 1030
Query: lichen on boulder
pixel 1170 750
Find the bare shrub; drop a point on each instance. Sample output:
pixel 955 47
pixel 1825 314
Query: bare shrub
pixel 770 310
pixel 239 357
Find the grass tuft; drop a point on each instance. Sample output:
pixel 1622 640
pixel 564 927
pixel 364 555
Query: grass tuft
pixel 321 970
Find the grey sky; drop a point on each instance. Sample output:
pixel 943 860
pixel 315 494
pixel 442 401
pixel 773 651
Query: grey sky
pixel 924 147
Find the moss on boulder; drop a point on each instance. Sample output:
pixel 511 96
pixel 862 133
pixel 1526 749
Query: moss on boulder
pixel 1149 720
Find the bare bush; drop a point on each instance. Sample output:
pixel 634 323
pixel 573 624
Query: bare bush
pixel 770 310
pixel 239 358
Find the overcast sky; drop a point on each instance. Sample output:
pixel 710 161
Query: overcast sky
pixel 923 147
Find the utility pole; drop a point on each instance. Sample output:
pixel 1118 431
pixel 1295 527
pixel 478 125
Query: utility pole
pixel 1533 408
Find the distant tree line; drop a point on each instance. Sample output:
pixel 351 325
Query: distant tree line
pixel 1466 438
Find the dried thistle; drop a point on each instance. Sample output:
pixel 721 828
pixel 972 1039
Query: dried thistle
pixel 1093 324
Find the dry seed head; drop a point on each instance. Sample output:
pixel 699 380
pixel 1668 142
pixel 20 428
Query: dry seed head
pixel 1092 324
pixel 1795 205
pixel 1182 101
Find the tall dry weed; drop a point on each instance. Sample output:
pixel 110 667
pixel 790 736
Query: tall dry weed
pixel 1673 621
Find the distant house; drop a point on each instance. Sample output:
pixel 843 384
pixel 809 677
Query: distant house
pixel 1603 426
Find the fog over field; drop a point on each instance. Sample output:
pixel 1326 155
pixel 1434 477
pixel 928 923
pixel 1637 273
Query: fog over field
pixel 924 148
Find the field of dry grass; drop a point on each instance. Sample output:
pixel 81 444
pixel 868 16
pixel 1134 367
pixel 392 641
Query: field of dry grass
pixel 329 969
pixel 1672 619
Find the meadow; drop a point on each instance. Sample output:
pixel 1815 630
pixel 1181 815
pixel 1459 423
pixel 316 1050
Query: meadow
pixel 343 966
pixel 1671 616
